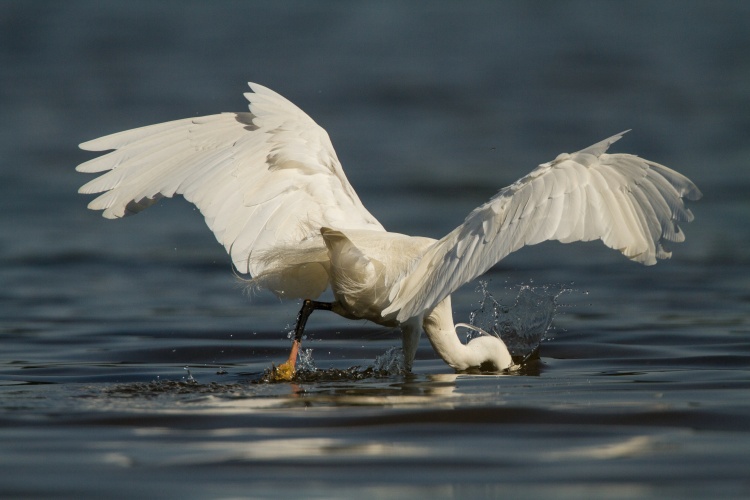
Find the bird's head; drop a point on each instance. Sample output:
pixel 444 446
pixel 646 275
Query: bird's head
pixel 487 352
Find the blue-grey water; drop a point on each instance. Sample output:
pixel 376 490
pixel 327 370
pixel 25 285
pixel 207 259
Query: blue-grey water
pixel 642 387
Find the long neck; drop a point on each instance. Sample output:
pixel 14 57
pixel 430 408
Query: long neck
pixel 438 326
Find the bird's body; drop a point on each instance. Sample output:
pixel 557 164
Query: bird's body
pixel 273 192
pixel 364 265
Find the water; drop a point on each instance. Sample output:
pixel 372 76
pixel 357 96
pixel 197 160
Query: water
pixel 523 324
pixel 640 388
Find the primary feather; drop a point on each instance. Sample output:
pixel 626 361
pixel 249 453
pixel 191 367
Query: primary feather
pixel 264 179
pixel 632 205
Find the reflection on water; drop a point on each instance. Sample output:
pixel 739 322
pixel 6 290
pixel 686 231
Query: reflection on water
pixel 350 387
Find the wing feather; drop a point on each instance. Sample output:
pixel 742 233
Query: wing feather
pixel 631 204
pixel 264 179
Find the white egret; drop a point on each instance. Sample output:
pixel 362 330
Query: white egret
pixel 273 192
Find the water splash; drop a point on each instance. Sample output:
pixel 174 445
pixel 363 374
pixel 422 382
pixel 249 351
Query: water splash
pixel 305 361
pixel 524 325
pixel 189 378
pixel 391 362
pixel 291 333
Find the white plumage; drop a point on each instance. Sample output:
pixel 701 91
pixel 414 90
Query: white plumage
pixel 273 192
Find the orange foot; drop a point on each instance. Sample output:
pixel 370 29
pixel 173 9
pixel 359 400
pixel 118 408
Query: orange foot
pixel 285 371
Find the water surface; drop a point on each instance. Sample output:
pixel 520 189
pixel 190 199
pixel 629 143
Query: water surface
pixel 641 386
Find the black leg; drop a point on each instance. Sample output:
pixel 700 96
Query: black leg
pixel 308 306
pixel 286 370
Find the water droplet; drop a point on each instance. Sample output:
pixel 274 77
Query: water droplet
pixel 189 377
pixel 305 362
pixel 522 325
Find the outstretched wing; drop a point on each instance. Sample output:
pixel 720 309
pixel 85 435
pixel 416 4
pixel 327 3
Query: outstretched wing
pixel 633 205
pixel 263 179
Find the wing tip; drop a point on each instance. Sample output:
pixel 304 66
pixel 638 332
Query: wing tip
pixel 91 145
pixel 601 147
pixel 692 193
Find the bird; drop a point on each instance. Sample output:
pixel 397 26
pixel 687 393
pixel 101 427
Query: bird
pixel 272 190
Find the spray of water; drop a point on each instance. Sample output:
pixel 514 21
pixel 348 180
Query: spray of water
pixel 524 324
pixel 189 378
pixel 305 361
pixel 391 362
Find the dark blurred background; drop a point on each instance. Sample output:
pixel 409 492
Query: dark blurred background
pixel 432 106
